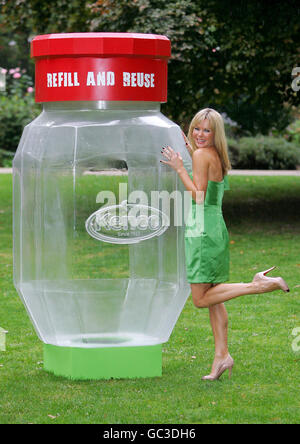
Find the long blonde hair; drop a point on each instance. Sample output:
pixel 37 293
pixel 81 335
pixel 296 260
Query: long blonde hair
pixel 217 125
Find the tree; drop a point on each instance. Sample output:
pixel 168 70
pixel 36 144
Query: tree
pixel 236 56
pixel 21 20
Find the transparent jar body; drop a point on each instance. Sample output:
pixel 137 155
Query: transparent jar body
pixel 80 290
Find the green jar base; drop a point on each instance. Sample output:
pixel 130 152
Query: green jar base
pixel 104 363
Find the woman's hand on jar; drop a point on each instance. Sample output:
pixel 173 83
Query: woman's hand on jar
pixel 174 160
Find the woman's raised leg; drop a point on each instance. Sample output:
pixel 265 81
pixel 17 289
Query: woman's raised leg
pixel 205 295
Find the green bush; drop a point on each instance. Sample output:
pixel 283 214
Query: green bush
pixel 15 113
pixel 264 153
pixel 17 108
pixel 233 149
pixel 293 132
pixel 6 158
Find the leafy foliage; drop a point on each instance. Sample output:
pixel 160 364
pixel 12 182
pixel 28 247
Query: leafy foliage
pixel 263 152
pixel 293 132
pixel 15 113
pixel 6 158
pixel 17 108
pixel 234 56
pixel 43 17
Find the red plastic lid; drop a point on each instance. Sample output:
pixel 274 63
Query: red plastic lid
pixel 101 66
pixel 101 44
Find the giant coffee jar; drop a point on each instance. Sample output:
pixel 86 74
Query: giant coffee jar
pixel 98 264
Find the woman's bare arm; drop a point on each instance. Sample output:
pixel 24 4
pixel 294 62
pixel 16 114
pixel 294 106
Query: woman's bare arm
pixel 197 187
pixel 200 169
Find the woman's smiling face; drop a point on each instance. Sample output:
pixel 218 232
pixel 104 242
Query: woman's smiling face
pixel 203 135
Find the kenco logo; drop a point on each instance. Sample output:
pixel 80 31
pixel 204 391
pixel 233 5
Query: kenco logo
pixel 126 223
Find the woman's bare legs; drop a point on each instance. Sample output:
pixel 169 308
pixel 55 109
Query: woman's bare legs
pixel 206 295
pixel 219 323
pixel 213 296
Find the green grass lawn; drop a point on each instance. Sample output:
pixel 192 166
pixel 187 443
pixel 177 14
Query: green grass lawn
pixel 263 218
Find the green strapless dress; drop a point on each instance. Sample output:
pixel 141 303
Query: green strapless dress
pixel 206 238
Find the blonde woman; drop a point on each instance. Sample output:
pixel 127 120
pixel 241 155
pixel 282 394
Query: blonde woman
pixel 207 250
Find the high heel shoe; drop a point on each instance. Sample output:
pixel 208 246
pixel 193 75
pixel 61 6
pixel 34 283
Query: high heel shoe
pixel 226 364
pixel 266 284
